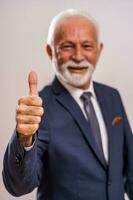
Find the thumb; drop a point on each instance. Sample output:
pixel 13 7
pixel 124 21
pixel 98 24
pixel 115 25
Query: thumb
pixel 32 79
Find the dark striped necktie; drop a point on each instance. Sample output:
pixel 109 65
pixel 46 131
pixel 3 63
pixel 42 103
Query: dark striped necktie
pixel 92 119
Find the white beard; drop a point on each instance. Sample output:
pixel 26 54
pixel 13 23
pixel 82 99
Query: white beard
pixel 74 79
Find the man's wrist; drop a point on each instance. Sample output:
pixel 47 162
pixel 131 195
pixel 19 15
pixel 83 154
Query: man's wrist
pixel 26 141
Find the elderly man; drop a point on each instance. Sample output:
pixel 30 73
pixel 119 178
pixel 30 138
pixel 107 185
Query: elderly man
pixel 83 147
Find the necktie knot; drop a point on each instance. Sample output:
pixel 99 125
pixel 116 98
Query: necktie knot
pixel 86 96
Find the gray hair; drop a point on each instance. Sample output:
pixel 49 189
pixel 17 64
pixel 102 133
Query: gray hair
pixel 64 14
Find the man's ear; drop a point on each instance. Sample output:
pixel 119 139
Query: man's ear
pixel 100 47
pixel 49 51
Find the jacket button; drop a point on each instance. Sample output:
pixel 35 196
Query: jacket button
pixel 18 159
pixel 109 182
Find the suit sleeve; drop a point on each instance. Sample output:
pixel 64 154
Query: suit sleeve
pixel 21 169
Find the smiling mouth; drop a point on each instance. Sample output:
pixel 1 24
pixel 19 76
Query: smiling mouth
pixel 77 69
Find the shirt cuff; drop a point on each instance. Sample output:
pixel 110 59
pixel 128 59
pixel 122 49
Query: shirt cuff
pixel 30 147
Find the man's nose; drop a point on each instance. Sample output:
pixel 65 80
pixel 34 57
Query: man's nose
pixel 78 55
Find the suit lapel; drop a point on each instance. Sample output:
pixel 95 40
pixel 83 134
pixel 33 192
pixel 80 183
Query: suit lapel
pixel 106 109
pixel 63 97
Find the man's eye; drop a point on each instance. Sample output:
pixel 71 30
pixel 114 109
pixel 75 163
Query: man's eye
pixel 88 47
pixel 67 47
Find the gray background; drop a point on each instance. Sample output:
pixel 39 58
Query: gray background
pixel 23 31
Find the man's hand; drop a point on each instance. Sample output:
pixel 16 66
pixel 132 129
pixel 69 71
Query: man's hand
pixel 29 112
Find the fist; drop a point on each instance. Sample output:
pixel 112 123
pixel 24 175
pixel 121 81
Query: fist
pixel 29 111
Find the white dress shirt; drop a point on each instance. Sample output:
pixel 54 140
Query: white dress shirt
pixel 76 94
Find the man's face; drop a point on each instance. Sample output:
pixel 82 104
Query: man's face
pixel 76 51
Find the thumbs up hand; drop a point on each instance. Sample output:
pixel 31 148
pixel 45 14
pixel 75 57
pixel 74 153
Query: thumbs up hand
pixel 29 112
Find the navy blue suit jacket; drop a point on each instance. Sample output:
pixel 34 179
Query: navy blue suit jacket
pixel 64 163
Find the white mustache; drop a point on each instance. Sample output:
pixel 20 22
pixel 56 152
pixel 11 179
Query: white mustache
pixel 84 64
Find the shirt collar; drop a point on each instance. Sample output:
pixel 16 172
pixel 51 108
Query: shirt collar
pixel 77 92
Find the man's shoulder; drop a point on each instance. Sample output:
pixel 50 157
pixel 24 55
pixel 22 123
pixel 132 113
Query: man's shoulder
pixel 49 90
pixel 105 88
pixel 46 90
